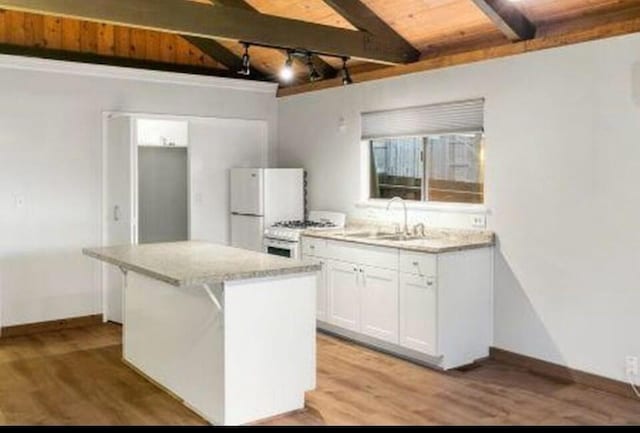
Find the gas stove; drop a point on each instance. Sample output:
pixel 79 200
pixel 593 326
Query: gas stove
pixel 290 231
pixel 298 224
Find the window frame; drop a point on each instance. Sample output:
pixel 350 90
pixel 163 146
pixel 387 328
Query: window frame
pixel 422 204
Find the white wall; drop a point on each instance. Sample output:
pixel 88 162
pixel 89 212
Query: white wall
pixel 215 146
pixel 50 155
pixel 562 176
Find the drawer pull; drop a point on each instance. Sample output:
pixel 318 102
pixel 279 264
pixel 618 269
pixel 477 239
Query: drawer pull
pixel 416 264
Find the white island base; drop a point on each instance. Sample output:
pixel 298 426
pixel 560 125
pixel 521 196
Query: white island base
pixel 235 352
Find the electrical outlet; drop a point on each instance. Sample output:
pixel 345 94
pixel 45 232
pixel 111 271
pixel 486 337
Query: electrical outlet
pixel 632 365
pixel 479 221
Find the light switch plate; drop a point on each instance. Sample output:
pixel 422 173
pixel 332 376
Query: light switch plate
pixel 19 201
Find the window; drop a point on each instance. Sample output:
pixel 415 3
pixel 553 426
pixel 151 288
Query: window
pixel 441 168
pixel 427 153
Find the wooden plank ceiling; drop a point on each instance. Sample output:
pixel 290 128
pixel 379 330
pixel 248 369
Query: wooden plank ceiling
pixel 435 28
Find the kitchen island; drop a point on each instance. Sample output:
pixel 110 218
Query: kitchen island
pixel 230 332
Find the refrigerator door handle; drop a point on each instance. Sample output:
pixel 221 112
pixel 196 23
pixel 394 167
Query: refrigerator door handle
pixel 247 214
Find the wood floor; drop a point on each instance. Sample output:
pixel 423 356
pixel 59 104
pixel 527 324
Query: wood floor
pixel 75 377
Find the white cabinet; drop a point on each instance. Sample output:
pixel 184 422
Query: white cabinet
pixel 162 132
pixel 343 295
pixel 432 308
pixel 321 292
pixel 379 303
pixel 418 313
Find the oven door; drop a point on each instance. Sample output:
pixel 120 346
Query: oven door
pixel 282 248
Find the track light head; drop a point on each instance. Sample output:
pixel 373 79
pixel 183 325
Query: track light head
pixel 314 75
pixel 245 68
pixel 286 73
pixel 346 76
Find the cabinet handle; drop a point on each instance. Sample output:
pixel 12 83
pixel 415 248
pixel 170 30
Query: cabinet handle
pixel 416 264
pixel 430 282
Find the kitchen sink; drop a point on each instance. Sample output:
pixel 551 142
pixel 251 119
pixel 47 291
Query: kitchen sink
pixel 368 235
pixel 395 237
pixel 401 237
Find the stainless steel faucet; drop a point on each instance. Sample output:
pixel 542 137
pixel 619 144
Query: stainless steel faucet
pixel 404 205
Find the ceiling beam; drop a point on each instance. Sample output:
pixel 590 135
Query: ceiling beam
pixel 201 20
pixel 221 54
pixel 594 32
pixel 324 68
pixel 364 19
pixel 508 18
pixel 100 59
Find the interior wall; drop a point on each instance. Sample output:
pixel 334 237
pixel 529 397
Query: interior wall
pixel 163 194
pixel 51 169
pixel 216 146
pixel 562 176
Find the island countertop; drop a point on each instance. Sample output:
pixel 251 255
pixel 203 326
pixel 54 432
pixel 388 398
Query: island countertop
pixel 194 262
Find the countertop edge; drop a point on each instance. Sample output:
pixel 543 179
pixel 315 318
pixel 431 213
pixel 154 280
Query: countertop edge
pixel 399 246
pixel 129 267
pixel 248 275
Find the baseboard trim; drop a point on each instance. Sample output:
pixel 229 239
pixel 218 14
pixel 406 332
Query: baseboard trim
pixel 51 325
pixel 562 373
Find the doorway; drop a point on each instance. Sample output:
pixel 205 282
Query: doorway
pixel 163 194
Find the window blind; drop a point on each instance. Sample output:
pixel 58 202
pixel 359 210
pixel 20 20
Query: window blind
pixel 460 116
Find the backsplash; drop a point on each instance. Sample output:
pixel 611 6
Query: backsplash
pixel 430 218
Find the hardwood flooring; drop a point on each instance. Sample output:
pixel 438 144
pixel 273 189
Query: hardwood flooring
pixel 76 377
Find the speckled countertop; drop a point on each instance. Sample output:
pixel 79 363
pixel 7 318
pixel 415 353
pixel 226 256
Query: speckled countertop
pixel 435 240
pixel 193 262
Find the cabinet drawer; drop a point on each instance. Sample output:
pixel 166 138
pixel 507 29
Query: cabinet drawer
pixel 418 263
pixel 379 257
pixel 314 247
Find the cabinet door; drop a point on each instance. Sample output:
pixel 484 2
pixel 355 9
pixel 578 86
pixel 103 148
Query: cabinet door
pixel 418 313
pixel 343 295
pixel 321 292
pixel 379 303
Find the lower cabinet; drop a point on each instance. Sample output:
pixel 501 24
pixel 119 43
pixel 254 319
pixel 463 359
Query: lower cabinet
pixel 379 303
pixel 418 313
pixel 343 295
pixel 433 308
pixel 363 299
pixel 321 294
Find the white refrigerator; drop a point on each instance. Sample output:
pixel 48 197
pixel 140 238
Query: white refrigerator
pixel 261 197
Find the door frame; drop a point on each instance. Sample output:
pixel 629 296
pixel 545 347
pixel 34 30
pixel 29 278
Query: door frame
pixel 108 114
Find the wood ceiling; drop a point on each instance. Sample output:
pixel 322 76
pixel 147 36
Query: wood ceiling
pixel 420 31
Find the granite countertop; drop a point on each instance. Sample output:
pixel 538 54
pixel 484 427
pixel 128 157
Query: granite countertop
pixel 435 240
pixel 193 262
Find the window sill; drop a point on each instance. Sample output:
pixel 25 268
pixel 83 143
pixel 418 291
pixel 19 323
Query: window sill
pixel 429 206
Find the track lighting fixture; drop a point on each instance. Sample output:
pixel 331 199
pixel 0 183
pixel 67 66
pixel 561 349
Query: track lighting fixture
pixel 246 62
pixel 286 73
pixel 314 75
pixel 303 55
pixel 346 77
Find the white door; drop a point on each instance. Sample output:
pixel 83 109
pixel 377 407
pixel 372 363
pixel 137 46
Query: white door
pixel 418 313
pixel 247 186
pixel 343 294
pixel 119 215
pixel 247 232
pixel 379 303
